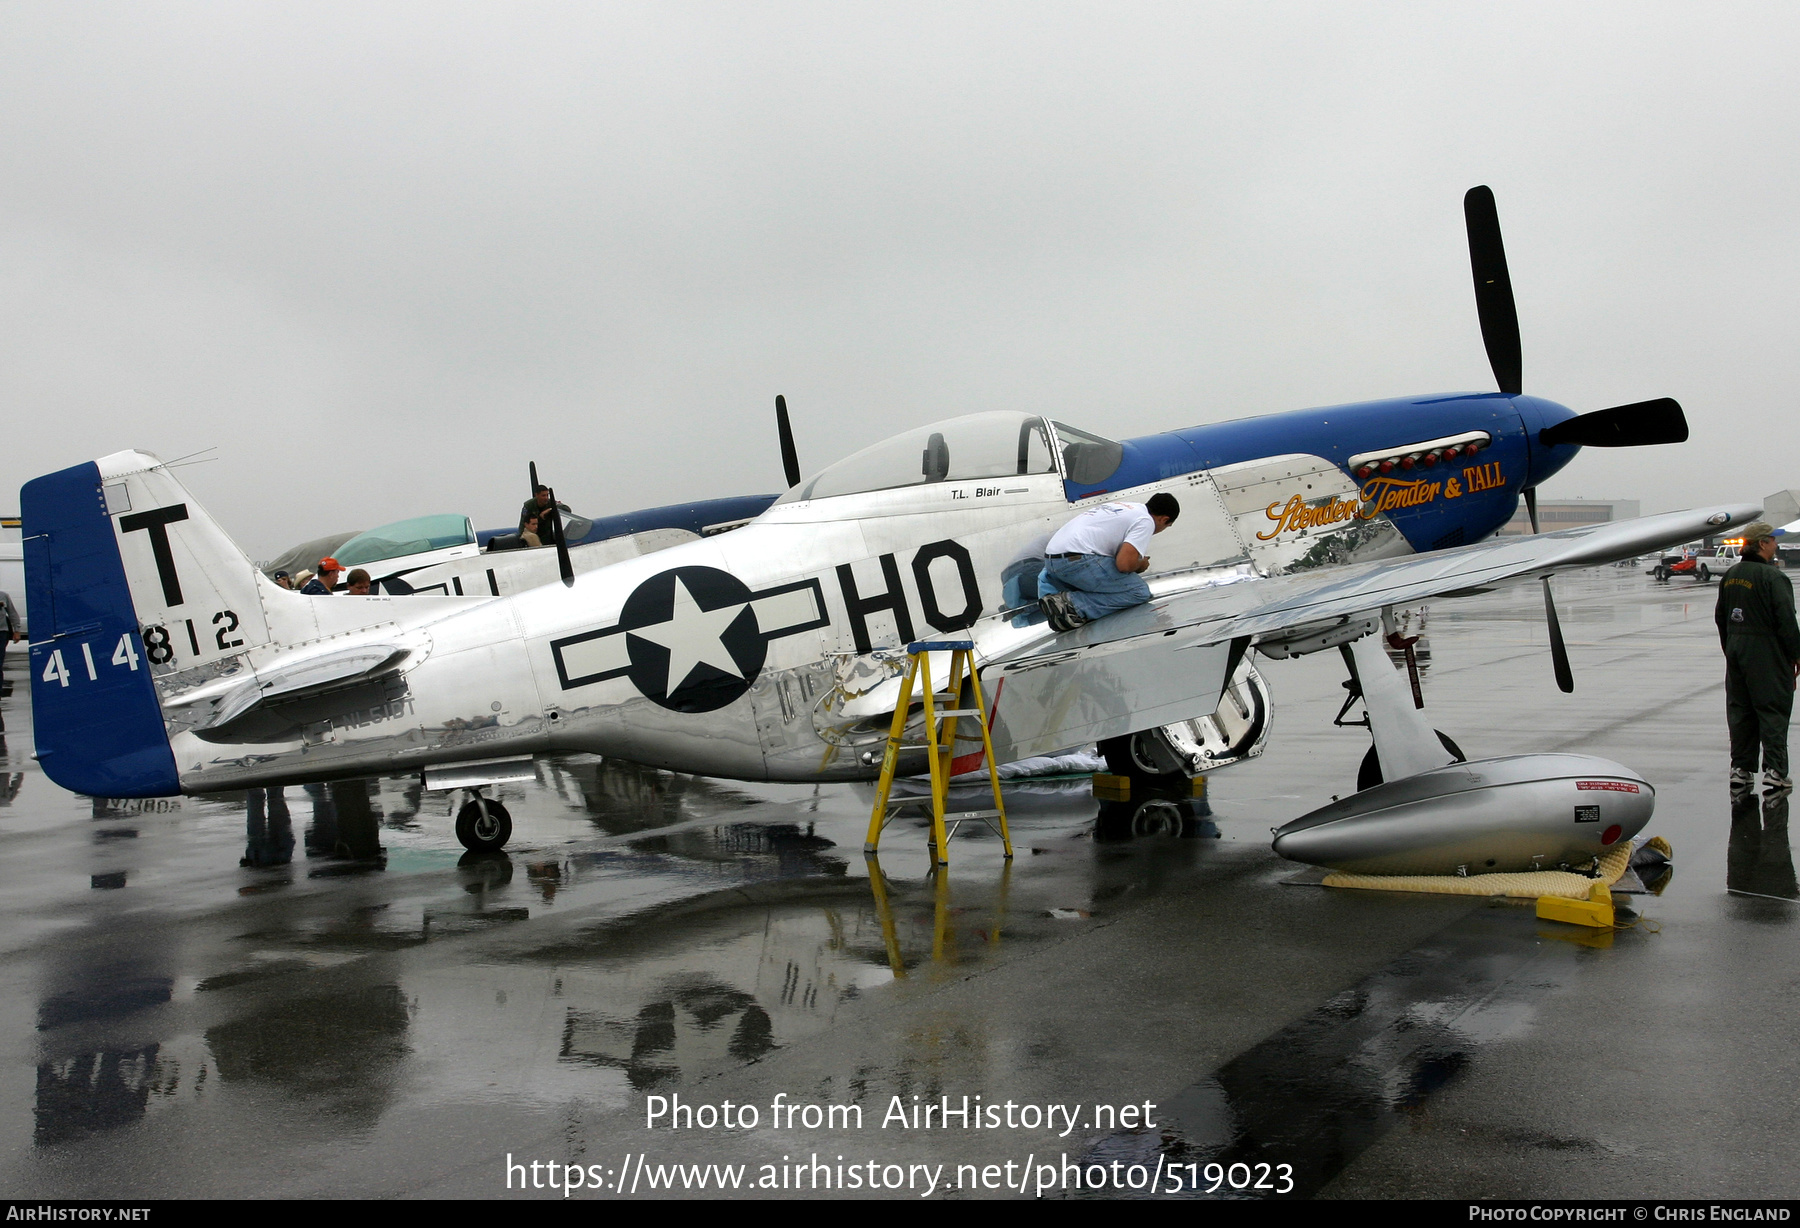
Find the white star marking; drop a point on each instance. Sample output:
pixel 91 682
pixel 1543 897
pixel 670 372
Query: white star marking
pixel 693 637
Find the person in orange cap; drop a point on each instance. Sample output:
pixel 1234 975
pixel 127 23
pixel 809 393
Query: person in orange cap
pixel 322 584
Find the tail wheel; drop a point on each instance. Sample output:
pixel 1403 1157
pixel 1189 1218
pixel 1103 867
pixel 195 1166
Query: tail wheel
pixel 1369 775
pixel 483 826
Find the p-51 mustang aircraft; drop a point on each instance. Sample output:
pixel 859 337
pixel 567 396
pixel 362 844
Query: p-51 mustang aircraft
pixel 164 663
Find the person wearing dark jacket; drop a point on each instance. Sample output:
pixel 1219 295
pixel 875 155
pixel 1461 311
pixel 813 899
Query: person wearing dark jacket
pixel 1757 630
pixel 325 582
pixel 538 507
pixel 11 629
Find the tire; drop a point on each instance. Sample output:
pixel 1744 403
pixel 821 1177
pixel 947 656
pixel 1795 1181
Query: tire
pixel 1150 819
pixel 1159 818
pixel 1122 761
pixel 483 826
pixel 1369 775
pixel 485 871
pixel 1704 574
pixel 1662 573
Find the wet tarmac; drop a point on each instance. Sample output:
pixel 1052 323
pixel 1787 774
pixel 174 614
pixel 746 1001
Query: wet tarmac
pixel 317 994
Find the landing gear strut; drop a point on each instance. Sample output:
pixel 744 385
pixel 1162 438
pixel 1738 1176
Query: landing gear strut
pixel 483 825
pixel 1369 775
pixel 1391 713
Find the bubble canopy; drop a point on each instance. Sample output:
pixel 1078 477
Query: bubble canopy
pixel 997 444
pixel 404 537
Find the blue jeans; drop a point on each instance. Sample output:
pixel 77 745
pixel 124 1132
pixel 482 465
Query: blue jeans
pixel 1094 583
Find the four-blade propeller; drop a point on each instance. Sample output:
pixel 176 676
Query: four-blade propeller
pixel 1623 426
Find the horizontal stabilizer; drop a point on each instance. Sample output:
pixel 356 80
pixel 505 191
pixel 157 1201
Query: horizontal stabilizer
pixel 1782 508
pixel 217 705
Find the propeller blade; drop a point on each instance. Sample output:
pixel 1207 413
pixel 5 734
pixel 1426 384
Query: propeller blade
pixel 1493 289
pixel 1559 652
pixel 1622 426
pixel 790 460
pixel 563 563
pixel 534 483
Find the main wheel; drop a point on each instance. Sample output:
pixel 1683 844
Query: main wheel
pixel 1369 775
pixel 1126 756
pixel 483 826
pixel 1158 818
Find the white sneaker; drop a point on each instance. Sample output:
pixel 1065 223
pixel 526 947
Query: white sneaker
pixel 1774 780
pixel 1741 779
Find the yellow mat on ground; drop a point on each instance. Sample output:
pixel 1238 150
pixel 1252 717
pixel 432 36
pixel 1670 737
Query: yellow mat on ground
pixel 1529 885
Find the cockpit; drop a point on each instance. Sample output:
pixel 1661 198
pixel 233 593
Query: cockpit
pixel 1000 443
pixel 406 537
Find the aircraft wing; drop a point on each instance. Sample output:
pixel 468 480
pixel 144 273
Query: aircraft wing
pixel 1167 661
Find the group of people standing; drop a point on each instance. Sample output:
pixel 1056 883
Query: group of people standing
pixel 323 583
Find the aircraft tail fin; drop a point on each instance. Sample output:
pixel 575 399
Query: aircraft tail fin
pixel 196 594
pixel 1782 507
pixel 129 581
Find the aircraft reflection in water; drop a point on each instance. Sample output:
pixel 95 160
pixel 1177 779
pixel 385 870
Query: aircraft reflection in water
pixel 908 927
pixel 737 936
pixel 1759 860
pixel 91 1092
pixel 339 1052
pixel 81 1089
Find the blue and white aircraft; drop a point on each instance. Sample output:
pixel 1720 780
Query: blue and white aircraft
pixel 164 663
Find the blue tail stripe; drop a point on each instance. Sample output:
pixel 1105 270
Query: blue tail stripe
pixel 102 736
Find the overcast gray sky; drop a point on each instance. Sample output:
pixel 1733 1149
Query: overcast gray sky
pixel 380 255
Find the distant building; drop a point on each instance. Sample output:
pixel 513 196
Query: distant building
pixel 1569 513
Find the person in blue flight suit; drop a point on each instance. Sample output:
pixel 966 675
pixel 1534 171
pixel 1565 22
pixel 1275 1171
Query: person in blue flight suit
pixel 1755 617
pixel 1093 565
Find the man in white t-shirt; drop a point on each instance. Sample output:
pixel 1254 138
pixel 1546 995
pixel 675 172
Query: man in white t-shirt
pixel 1092 565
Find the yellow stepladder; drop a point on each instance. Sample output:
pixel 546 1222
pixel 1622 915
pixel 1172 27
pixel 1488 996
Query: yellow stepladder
pixel 941 737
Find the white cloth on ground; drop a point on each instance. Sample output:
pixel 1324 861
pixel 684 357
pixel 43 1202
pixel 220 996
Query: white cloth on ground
pixel 1041 765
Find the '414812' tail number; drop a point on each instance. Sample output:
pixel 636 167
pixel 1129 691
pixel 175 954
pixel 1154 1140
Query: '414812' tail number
pixel 159 649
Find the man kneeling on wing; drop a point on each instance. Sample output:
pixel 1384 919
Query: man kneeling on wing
pixel 1093 564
